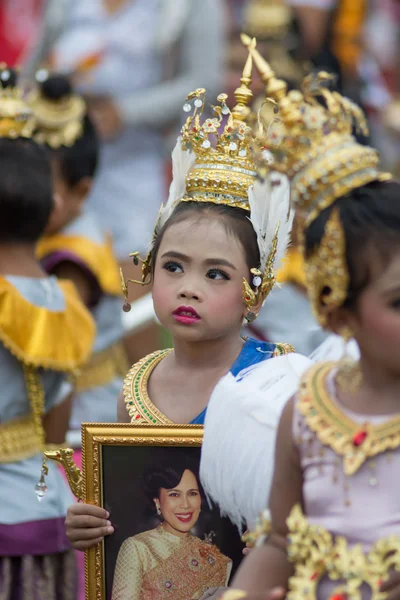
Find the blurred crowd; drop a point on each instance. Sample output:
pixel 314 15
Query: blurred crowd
pixel 135 60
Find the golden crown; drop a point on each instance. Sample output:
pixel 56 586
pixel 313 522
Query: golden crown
pixel 312 141
pixel 224 146
pixel 59 121
pixel 16 118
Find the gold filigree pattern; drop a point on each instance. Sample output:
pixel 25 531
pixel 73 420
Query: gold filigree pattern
pixel 326 271
pixel 315 554
pixel 64 456
pixel 355 442
pixel 137 401
pixel 313 141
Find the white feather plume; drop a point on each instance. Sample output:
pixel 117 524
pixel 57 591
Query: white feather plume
pixel 237 460
pixel 270 207
pixel 182 162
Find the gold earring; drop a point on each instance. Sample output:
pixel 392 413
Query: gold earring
pixel 349 377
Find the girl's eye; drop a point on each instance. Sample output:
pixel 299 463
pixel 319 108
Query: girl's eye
pixel 217 274
pixel 396 303
pixel 173 267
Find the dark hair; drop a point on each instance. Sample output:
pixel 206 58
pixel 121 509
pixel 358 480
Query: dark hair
pixel 370 217
pixel 167 472
pixel 26 196
pixel 79 160
pixel 235 220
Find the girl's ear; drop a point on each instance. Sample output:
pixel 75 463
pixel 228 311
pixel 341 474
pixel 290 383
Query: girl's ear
pixel 56 213
pixel 341 321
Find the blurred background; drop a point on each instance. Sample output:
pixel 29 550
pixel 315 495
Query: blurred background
pixel 136 60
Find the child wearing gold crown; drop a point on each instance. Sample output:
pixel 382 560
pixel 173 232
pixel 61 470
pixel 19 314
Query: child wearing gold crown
pixel 215 251
pixel 335 527
pixel 39 349
pixel 75 247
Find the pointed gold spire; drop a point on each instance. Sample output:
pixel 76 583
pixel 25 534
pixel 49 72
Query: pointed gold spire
pixel 243 94
pixel 275 88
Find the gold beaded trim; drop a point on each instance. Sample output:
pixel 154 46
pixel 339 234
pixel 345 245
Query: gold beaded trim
pixel 283 349
pixel 137 401
pixel 19 439
pixel 354 441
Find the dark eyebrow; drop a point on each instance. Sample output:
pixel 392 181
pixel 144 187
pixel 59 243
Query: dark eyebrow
pixel 208 261
pixel 219 261
pixel 174 254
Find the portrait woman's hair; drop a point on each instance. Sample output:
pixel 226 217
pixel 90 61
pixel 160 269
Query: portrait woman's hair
pixel 165 471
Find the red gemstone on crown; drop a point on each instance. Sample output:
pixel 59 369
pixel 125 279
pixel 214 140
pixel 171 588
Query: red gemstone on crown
pixel 359 438
pixel 137 417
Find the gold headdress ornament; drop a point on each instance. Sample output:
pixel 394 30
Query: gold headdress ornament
pixel 16 118
pixel 313 144
pixel 219 160
pixel 59 121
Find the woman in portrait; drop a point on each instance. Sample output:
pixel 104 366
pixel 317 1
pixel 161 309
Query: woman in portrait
pixel 169 560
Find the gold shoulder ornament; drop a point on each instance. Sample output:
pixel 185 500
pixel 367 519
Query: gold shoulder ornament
pixel 355 442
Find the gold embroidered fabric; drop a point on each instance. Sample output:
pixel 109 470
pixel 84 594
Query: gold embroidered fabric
pixel 354 441
pixel 19 439
pixel 42 338
pixel 103 368
pixel 99 258
pixel 137 401
pixel 317 554
pixel 156 565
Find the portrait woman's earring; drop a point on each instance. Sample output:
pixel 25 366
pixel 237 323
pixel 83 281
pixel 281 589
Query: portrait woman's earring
pixel 349 377
pixel 158 510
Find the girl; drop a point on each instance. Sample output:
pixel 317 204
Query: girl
pixel 39 348
pixel 76 248
pixel 211 267
pixel 335 524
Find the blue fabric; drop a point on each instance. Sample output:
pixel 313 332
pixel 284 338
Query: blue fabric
pixel 253 352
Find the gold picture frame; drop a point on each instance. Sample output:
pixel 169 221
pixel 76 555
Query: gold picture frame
pixel 105 444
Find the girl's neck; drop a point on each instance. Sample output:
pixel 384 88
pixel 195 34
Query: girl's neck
pixel 20 260
pixel 209 354
pixel 379 390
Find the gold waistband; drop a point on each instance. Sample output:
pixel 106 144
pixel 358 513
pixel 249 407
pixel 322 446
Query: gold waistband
pixel 316 554
pixel 103 367
pixel 19 439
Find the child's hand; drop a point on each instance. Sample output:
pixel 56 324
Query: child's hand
pixel 86 525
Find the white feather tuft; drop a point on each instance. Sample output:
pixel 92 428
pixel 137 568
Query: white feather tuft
pixel 237 461
pixel 182 162
pixel 270 207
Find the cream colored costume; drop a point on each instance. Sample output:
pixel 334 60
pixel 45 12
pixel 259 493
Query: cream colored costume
pixel 156 564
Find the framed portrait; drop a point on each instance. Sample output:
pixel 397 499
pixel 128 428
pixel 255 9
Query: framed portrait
pixel 169 542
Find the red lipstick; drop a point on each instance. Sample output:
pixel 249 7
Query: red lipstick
pixel 186 315
pixel 184 517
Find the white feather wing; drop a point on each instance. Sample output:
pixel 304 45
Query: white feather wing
pixel 269 207
pixel 182 162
